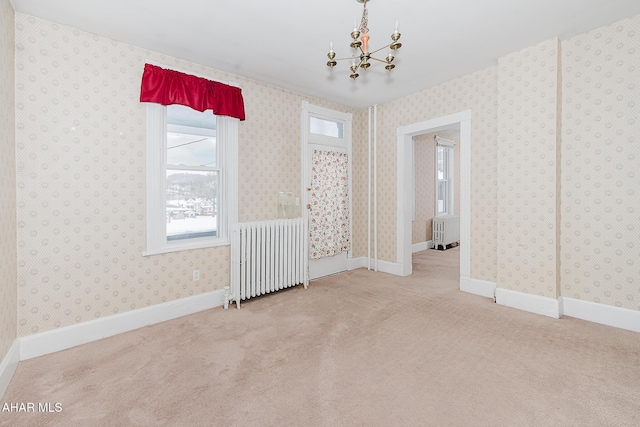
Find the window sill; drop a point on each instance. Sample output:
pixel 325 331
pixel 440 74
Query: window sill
pixel 185 247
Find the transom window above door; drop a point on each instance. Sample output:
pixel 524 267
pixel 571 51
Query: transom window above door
pixel 324 127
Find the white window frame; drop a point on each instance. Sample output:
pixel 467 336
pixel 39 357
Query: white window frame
pixel 447 145
pixel 227 140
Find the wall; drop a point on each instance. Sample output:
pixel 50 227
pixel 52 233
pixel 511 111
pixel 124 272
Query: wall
pixel 528 170
pixel 477 92
pixel 424 191
pixel 80 172
pixel 556 152
pixel 600 198
pixel 568 180
pixel 424 170
pixel 81 177
pixel 8 285
pixel 360 153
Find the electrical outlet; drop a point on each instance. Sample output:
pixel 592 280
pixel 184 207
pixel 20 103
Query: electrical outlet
pixel 196 275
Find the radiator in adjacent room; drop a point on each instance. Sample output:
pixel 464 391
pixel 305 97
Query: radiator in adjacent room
pixel 267 256
pixel 446 230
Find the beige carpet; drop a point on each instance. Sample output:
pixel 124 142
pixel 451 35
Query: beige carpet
pixel 356 349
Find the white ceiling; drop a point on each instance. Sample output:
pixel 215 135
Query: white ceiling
pixel 285 42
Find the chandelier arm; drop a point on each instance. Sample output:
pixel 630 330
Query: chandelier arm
pixel 379 60
pixel 347 57
pixel 378 50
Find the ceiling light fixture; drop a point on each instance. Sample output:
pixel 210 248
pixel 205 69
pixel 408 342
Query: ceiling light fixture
pixel 362 60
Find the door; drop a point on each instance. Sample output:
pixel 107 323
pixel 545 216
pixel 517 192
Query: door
pixel 327 188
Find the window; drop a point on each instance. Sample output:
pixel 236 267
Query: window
pixel 444 177
pixel 192 175
pixel 191 178
pixel 330 128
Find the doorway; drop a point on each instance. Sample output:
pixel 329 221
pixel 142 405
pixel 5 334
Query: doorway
pixel 326 184
pixel 436 196
pixel 405 189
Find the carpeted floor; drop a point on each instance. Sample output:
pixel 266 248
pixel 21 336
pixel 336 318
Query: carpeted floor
pixel 356 349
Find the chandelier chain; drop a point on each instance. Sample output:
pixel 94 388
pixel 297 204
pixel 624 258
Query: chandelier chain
pixel 364 23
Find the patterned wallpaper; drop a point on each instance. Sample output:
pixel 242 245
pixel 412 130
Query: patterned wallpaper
pixel 360 167
pixel 527 144
pixel 424 171
pixel 8 285
pixel 600 221
pixel 81 177
pixel 424 192
pixel 80 141
pixel 477 92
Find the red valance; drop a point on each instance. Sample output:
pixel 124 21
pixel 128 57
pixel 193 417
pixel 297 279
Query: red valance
pixel 168 87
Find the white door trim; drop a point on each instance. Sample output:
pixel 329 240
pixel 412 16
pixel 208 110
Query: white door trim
pixel 405 193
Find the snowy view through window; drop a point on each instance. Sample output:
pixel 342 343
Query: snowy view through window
pixel 193 174
pixel 191 207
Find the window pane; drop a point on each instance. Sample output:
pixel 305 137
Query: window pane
pixel 192 204
pixel 191 150
pixel 326 127
pixel 441 197
pixel 441 163
pixel 185 116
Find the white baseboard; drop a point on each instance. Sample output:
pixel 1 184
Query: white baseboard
pixel 617 317
pixel 8 366
pixel 383 266
pixel 353 263
pixel 478 287
pixel 61 339
pixel 422 246
pixel 388 267
pixel 600 313
pixel 533 303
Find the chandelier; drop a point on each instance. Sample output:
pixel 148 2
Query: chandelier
pixel 361 59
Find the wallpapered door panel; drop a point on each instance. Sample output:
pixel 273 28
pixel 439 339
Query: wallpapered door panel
pixel 329 216
pixel 8 287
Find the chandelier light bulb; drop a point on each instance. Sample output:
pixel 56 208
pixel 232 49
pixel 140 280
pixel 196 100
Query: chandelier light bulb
pixel 331 55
